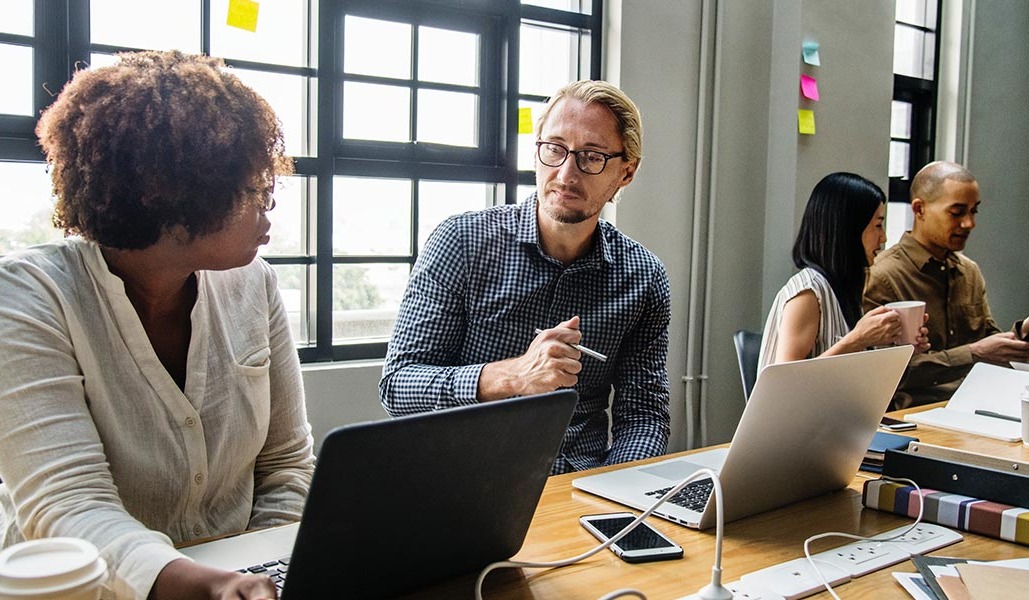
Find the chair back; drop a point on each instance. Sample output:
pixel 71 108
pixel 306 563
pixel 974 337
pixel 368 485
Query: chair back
pixel 748 348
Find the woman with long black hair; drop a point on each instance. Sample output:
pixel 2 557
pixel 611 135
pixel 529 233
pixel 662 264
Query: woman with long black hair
pixel 818 311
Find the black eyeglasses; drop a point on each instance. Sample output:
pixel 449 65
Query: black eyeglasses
pixel 266 198
pixel 590 162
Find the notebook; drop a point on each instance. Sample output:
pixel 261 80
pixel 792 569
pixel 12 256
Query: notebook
pixel 986 387
pixel 803 432
pixel 399 504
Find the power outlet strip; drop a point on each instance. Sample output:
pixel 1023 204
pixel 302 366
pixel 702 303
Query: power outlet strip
pixel 796 579
pixel 742 591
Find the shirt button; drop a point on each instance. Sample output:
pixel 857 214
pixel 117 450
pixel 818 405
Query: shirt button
pixel 943 268
pixel 198 478
pixel 952 332
pixel 197 530
pixel 190 421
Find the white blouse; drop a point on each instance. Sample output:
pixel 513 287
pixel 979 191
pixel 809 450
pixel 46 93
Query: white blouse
pixel 831 324
pixel 98 441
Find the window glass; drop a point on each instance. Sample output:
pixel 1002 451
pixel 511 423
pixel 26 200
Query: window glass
pixel 524 191
pixel 376 112
pixel 288 97
pixel 899 219
pixel 914 52
pixel 146 24
pixel 98 59
pixel 448 118
pixel 373 47
pixel 438 200
pixel 900 158
pixel 550 56
pixel 296 290
pixel 17 17
pixel 281 36
pixel 447 56
pixel 928 55
pixel 289 217
pixel 912 12
pixel 371 217
pixel 579 6
pixel 900 120
pixel 527 141
pixel 28 206
pixel 365 300
pixel 16 74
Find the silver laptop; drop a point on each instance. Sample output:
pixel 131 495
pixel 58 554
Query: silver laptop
pixel 803 432
pixel 396 505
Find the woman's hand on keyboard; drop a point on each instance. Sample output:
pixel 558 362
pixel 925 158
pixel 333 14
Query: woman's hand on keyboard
pixel 185 579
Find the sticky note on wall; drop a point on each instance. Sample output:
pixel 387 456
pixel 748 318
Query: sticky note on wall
pixel 525 120
pixel 810 52
pixel 809 87
pixel 243 14
pixel 806 121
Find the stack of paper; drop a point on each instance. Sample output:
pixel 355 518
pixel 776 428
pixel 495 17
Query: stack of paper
pixel 943 578
pixel 988 390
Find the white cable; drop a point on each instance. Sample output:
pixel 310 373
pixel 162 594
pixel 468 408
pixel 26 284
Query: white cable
pixel 807 542
pixel 716 570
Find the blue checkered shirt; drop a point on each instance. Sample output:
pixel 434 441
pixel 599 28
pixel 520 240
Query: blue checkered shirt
pixel 483 285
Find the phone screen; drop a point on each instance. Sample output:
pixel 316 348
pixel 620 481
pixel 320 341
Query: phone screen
pixel 640 538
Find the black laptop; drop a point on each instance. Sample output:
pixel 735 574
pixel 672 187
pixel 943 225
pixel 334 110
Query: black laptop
pixel 398 505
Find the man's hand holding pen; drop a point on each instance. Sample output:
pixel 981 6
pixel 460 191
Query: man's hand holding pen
pixel 551 361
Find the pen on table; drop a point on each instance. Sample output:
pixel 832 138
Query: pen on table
pixel 583 349
pixel 997 415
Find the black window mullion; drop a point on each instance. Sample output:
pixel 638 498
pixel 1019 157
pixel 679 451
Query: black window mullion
pixel 330 115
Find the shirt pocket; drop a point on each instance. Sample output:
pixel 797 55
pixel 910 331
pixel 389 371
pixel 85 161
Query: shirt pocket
pixel 970 317
pixel 253 376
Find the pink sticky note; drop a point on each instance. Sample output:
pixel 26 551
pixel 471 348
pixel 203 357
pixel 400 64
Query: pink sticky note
pixel 809 87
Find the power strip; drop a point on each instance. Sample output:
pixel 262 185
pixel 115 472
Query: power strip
pixel 796 579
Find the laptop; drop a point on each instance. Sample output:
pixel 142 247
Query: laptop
pixel 803 432
pixel 396 505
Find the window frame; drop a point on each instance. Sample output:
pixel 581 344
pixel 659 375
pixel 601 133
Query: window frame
pixel 62 40
pixel 921 94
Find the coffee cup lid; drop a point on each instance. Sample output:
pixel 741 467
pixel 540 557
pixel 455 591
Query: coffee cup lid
pixel 49 565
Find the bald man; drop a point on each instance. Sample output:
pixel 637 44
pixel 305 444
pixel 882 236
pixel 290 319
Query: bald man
pixel 927 264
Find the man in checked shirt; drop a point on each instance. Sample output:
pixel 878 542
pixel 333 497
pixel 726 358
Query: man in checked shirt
pixel 488 280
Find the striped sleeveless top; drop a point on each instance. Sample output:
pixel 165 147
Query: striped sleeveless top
pixel 831 324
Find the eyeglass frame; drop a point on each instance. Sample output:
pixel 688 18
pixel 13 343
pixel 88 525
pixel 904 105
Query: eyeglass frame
pixel 568 151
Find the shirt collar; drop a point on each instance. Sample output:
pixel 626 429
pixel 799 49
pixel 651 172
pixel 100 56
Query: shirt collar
pixel 920 256
pixel 528 233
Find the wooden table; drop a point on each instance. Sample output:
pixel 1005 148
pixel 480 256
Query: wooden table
pixel 750 544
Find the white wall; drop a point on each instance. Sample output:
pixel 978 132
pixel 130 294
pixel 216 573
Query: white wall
pixel 997 152
pixel 760 170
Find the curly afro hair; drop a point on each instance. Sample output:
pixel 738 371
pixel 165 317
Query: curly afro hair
pixel 157 140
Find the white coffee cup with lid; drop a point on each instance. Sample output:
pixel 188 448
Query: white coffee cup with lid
pixel 51 568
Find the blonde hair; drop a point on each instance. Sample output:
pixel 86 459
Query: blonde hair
pixel 627 115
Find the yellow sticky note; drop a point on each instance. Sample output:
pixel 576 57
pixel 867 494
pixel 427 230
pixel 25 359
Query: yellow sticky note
pixel 806 121
pixel 525 120
pixel 243 14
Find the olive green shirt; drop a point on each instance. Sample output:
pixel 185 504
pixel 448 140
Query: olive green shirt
pixel 955 299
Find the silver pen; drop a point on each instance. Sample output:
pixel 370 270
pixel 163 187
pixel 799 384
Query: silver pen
pixel 583 349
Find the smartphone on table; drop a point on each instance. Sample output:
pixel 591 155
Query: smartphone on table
pixel 891 424
pixel 642 544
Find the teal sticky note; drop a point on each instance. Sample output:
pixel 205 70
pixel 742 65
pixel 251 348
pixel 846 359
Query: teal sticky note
pixel 810 51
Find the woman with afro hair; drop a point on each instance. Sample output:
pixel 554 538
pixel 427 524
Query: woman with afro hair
pixel 150 391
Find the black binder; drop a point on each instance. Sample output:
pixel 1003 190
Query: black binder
pixel 959 478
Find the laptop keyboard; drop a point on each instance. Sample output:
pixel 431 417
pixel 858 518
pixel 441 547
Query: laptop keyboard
pixel 275 569
pixel 692 497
